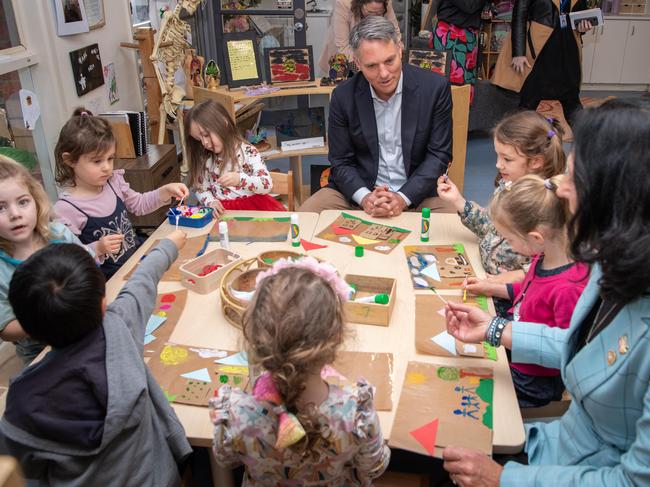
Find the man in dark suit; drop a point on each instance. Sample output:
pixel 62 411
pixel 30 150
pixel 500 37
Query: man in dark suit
pixel 389 130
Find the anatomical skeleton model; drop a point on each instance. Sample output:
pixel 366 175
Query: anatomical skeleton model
pixel 169 50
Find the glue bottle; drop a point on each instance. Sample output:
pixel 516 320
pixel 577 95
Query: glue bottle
pixel 223 235
pixel 295 230
pixel 426 222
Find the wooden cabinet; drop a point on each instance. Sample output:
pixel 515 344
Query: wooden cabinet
pixel 156 168
pixel 617 52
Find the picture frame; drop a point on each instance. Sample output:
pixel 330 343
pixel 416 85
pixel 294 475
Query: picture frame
pixel 95 13
pixel 70 17
pixel 289 64
pixel 87 69
pixel 431 60
pixel 242 60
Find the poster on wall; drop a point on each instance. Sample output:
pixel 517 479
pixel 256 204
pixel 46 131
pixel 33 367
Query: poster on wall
pixel 87 69
pixel 95 13
pixel 70 17
pixel 111 83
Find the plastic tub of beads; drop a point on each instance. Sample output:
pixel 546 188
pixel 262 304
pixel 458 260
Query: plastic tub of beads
pixel 190 216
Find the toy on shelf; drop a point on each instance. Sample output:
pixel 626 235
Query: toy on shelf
pixel 212 75
pixel 190 216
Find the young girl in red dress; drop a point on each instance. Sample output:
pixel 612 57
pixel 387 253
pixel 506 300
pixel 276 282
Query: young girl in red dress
pixel 225 171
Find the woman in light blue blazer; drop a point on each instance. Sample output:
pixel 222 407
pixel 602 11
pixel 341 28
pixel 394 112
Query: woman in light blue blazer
pixel 604 356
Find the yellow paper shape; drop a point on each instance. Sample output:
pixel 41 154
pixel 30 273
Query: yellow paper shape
pixel 364 241
pixel 233 369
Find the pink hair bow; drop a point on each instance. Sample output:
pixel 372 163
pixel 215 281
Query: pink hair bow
pixel 290 430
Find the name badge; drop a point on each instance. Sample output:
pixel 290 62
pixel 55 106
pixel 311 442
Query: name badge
pixel 563 22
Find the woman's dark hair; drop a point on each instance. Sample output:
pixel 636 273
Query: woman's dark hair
pixel 57 294
pixel 356 5
pixel 611 173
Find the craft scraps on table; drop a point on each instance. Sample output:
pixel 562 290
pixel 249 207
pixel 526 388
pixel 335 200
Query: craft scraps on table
pixel 255 229
pixel 351 230
pixel 438 266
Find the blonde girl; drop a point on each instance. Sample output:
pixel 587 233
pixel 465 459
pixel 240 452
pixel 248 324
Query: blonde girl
pixel 25 227
pixel 533 219
pixel 295 429
pixel 95 199
pixel 525 143
pixel 225 171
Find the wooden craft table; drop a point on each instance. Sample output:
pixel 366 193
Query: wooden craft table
pixel 202 323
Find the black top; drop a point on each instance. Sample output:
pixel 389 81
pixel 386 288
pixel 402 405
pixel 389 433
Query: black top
pixel 461 13
pixel 63 397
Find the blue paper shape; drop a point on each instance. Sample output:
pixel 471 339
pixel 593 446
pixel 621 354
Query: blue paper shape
pixel 431 271
pixel 446 341
pixel 200 374
pixel 148 339
pixel 238 358
pixel 154 322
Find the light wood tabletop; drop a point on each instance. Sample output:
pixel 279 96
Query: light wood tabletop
pixel 203 324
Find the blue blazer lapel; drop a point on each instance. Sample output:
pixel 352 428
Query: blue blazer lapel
pixel 410 110
pixel 367 118
pixel 590 367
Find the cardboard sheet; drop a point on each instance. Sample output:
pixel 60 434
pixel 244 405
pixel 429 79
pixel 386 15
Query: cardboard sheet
pixel 353 231
pixel 431 328
pixel 193 247
pixel 169 306
pixel 438 266
pixel 254 229
pixel 442 406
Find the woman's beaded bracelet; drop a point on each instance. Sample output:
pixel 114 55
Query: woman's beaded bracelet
pixel 495 331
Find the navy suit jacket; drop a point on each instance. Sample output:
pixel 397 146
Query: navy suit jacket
pixel 426 134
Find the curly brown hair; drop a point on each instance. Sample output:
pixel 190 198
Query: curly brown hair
pixel 82 134
pixel 293 327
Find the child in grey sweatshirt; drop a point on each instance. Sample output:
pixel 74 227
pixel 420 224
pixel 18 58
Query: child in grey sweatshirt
pixel 90 412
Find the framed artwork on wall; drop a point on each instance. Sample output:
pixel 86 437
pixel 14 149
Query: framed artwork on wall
pixel 289 64
pixel 242 59
pixel 95 13
pixel 431 60
pixel 70 16
pixel 87 69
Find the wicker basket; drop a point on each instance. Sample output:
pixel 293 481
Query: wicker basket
pixel 232 307
pixel 267 259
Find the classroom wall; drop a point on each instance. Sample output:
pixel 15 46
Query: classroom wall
pixel 52 76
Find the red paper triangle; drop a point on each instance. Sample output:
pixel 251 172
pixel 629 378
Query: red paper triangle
pixel 307 245
pixel 426 436
pixel 341 231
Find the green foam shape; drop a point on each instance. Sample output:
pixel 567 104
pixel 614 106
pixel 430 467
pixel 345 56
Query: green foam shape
pixel 268 260
pixel 485 391
pixel 490 351
pixel 459 248
pixel 482 302
pixel 170 397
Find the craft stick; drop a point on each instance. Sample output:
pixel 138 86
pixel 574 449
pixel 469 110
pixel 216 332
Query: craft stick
pixel 439 297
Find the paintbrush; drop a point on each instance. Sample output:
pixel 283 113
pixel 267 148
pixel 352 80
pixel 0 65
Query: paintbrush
pixel 439 297
pixel 447 172
pixel 465 288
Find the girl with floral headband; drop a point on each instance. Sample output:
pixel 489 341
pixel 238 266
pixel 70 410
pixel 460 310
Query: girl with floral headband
pixel 295 429
pixel 533 219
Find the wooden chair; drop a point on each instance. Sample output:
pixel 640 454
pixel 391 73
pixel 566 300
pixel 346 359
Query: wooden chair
pixel 460 96
pixel 283 185
pixel 10 473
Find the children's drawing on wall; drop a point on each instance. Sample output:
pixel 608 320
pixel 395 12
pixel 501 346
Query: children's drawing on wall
pixel 111 83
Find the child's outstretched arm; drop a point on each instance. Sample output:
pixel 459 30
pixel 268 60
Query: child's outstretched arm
pixel 135 302
pixel 373 455
pixel 449 192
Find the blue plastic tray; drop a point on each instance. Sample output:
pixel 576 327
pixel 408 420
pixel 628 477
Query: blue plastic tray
pixel 189 222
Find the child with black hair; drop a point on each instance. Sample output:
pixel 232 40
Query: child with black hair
pixel 90 412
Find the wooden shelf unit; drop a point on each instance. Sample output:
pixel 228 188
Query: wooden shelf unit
pixel 488 56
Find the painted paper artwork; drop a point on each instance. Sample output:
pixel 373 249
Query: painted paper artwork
pixel 442 406
pixel 289 64
pixel 111 83
pixel 164 318
pixel 194 247
pixel 87 69
pixel 354 231
pixel 431 60
pixel 431 335
pixel 438 266
pixel 254 229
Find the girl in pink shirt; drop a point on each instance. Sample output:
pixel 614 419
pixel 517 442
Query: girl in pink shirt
pixel 533 219
pixel 95 200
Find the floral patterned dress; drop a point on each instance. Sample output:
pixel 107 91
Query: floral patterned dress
pixel 252 193
pixel 246 430
pixel 496 254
